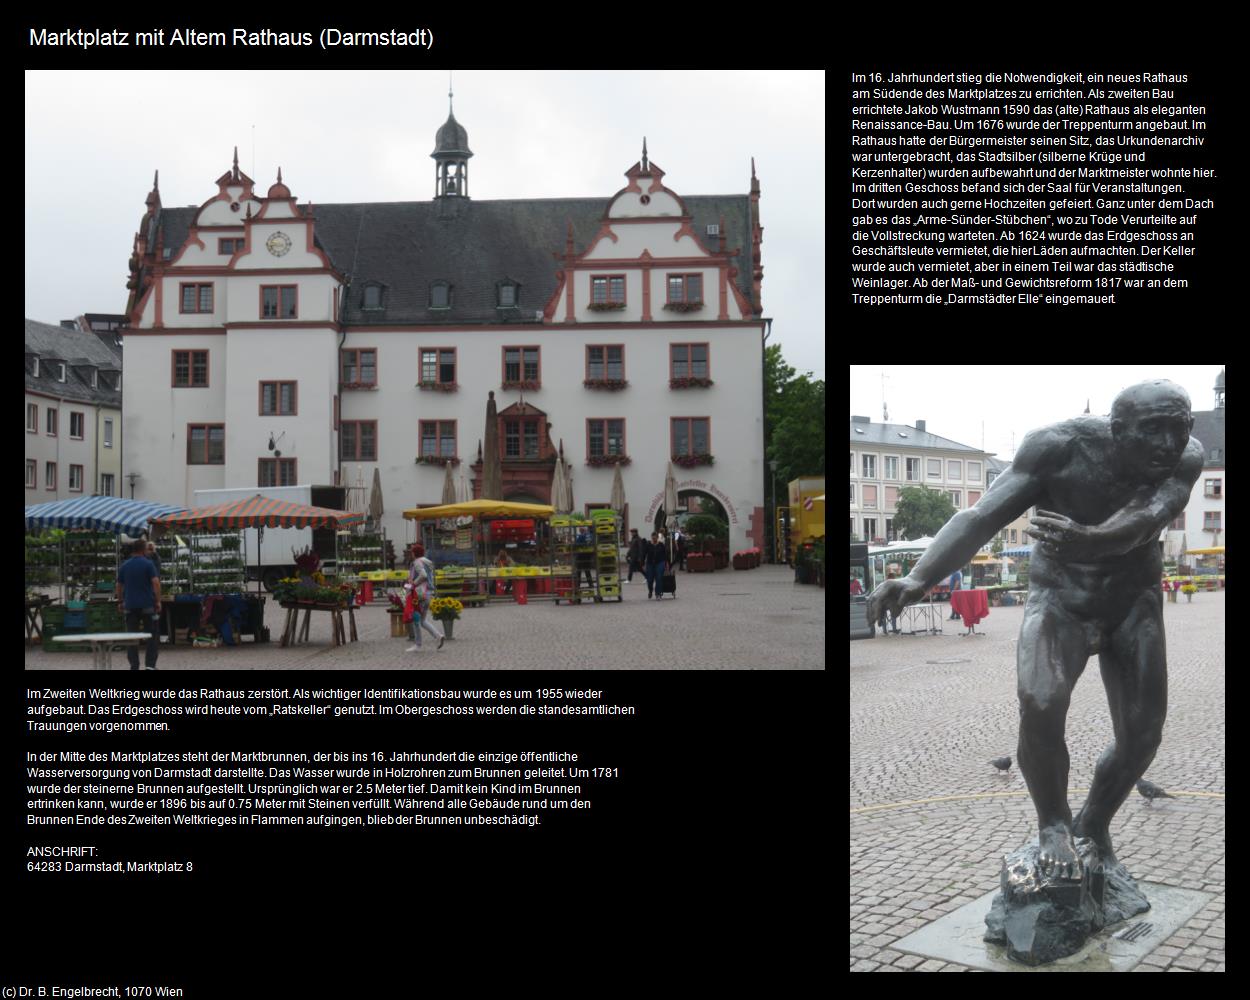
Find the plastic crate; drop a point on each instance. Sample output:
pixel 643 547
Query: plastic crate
pixel 610 591
pixel 605 528
pixel 609 579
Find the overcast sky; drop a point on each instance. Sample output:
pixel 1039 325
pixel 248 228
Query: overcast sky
pixel 93 140
pixel 1010 399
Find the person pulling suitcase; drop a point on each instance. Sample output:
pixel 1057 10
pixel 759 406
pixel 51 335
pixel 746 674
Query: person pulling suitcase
pixel 656 561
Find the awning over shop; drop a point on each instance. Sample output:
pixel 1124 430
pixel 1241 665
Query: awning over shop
pixel 1217 550
pixel 258 512
pixel 97 513
pixel 480 508
pixel 1022 550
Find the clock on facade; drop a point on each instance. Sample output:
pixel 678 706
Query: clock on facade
pixel 278 244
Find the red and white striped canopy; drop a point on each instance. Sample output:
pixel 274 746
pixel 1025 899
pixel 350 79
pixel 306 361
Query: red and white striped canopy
pixel 258 512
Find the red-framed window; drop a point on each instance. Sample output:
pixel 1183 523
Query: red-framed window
pixel 438 365
pixel 276 472
pixel 227 245
pixel 190 369
pixel 206 444
pixel 75 479
pixel 605 361
pixel 50 421
pixel 521 364
pixel 689 360
pixel 77 424
pixel 691 435
pixel 687 288
pixel 195 298
pixel 438 439
pixel 279 301
pixel 279 399
pixel 605 436
pixel 521 438
pixel 359 366
pixel 607 289
pixel 32 474
pixel 32 418
pixel 49 475
pixel 358 440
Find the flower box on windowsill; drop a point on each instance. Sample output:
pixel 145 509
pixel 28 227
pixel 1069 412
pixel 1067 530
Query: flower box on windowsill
pixel 606 306
pixel 611 384
pixel 690 461
pixel 437 460
pixel 596 461
pixel 525 385
pixel 690 383
pixel 360 385
pixel 683 307
pixel 439 386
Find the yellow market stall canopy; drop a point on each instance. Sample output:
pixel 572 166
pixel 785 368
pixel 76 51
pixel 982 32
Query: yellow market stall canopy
pixel 480 508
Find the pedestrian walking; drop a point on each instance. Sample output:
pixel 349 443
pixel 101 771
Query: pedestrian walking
pixel 634 555
pixel 421 585
pixel 679 548
pixel 656 562
pixel 139 597
pixel 153 557
pixel 856 586
pixel 957 582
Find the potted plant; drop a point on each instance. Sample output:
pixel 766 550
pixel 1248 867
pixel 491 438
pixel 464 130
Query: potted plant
pixel 1188 590
pixel 446 610
pixel 395 610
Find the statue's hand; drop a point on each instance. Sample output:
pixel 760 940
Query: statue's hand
pixel 893 596
pixel 1066 539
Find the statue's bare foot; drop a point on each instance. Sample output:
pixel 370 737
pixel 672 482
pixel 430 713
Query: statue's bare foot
pixel 1056 854
pixel 1096 832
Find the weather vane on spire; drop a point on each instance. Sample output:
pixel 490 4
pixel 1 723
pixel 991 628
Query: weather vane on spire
pixel 449 92
pixel 644 154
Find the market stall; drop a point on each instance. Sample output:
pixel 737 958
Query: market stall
pixel 241 612
pixel 464 543
pixel 74 546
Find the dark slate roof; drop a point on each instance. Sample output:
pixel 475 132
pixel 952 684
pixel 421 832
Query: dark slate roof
pixel 451 138
pixel 889 434
pixel 1209 429
pixel 80 351
pixel 408 246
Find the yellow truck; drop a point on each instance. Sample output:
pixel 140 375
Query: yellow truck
pixel 804 517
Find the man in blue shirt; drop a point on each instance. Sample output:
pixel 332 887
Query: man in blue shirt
pixel 957 580
pixel 139 595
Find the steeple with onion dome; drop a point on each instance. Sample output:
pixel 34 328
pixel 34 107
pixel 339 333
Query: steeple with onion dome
pixel 451 157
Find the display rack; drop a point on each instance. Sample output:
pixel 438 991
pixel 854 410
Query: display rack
pixel 572 552
pixel 360 552
pixel 175 566
pixel 607 555
pixel 90 565
pixel 43 560
pixel 218 563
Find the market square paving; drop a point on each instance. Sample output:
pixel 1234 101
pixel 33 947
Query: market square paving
pixel 931 819
pixel 729 619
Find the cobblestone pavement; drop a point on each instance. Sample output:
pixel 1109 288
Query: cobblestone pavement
pixel 738 620
pixel 928 712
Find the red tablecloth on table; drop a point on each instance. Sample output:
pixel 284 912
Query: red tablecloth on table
pixel 970 605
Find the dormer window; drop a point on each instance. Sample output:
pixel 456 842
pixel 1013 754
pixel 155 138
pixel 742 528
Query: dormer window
pixel 372 297
pixel 507 295
pixel 36 371
pixel 440 295
pixel 60 373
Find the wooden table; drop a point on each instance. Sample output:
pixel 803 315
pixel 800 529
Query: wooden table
pixel 102 644
pixel 294 632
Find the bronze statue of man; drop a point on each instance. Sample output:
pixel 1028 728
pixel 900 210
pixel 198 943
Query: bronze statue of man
pixel 1104 488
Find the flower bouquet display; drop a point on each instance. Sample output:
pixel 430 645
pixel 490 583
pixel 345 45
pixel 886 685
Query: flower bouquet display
pixel 446 610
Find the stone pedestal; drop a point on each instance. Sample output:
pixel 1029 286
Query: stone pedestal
pixel 1042 919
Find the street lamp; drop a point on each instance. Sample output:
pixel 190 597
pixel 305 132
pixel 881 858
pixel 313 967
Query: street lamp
pixel 772 464
pixel 132 476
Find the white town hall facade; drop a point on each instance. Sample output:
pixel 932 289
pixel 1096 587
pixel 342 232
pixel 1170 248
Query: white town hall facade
pixel 363 336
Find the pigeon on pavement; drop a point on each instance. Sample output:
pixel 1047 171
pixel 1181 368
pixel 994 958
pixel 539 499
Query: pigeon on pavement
pixel 1002 763
pixel 1151 792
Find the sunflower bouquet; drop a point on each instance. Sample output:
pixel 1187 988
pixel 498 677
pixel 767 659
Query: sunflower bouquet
pixel 446 609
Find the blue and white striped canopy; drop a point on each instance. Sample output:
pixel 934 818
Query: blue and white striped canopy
pixel 115 514
pixel 1019 550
